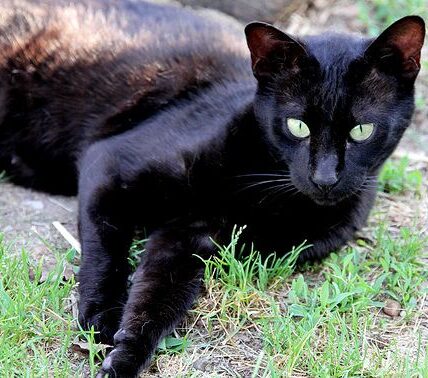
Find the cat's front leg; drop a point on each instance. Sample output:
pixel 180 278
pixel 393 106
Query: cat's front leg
pixel 106 230
pixel 164 288
pixel 334 238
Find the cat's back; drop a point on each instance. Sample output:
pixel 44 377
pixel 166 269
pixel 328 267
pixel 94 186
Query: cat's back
pixel 102 59
pixel 135 35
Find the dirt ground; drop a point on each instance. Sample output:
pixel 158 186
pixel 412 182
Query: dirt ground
pixel 26 216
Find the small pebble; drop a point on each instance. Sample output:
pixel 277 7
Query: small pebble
pixel 201 364
pixel 31 274
pixel 392 308
pixel 36 205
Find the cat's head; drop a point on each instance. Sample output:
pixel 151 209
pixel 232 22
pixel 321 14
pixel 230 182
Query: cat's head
pixel 332 108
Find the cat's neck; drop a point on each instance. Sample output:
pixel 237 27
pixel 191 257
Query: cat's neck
pixel 246 148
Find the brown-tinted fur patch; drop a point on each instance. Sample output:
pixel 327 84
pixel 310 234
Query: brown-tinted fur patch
pixel 63 35
pixel 101 70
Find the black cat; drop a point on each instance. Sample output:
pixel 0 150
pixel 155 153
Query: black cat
pixel 166 127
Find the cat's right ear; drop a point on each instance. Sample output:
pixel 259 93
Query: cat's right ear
pixel 271 49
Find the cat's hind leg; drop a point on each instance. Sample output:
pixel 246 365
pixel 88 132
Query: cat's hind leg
pixel 165 286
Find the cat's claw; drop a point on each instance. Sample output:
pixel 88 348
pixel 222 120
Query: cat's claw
pixel 121 362
pixel 125 360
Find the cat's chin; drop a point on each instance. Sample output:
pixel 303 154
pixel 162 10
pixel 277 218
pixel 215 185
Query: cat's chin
pixel 327 201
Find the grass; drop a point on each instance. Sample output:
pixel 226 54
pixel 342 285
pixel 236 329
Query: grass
pixel 37 328
pixel 36 323
pixel 398 177
pixel 322 328
pixel 378 14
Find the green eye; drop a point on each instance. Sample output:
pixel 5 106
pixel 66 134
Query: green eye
pixel 362 132
pixel 298 128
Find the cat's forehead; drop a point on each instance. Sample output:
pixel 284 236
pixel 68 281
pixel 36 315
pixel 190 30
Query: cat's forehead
pixel 334 55
pixel 335 51
pixel 325 90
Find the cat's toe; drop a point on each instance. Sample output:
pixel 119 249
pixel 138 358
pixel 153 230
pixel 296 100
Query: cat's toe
pixel 123 361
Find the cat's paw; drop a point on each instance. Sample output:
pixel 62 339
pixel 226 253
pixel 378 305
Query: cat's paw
pixel 126 359
pixel 104 326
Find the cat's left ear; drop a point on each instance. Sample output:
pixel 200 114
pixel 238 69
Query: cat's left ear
pixel 398 48
pixel 271 49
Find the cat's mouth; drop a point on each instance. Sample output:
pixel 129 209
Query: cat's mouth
pixel 326 201
pixel 337 195
pixel 332 198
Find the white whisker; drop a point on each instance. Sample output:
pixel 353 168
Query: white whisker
pixel 262 183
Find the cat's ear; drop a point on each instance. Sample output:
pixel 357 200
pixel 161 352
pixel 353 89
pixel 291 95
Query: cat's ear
pixel 271 49
pixel 398 48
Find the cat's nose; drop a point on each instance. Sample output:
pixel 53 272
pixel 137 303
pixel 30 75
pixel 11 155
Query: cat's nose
pixel 324 176
pixel 325 182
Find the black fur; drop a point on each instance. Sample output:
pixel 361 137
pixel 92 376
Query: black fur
pixel 167 129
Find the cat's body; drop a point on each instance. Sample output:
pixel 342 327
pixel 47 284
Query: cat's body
pixel 104 75
pixel 168 130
